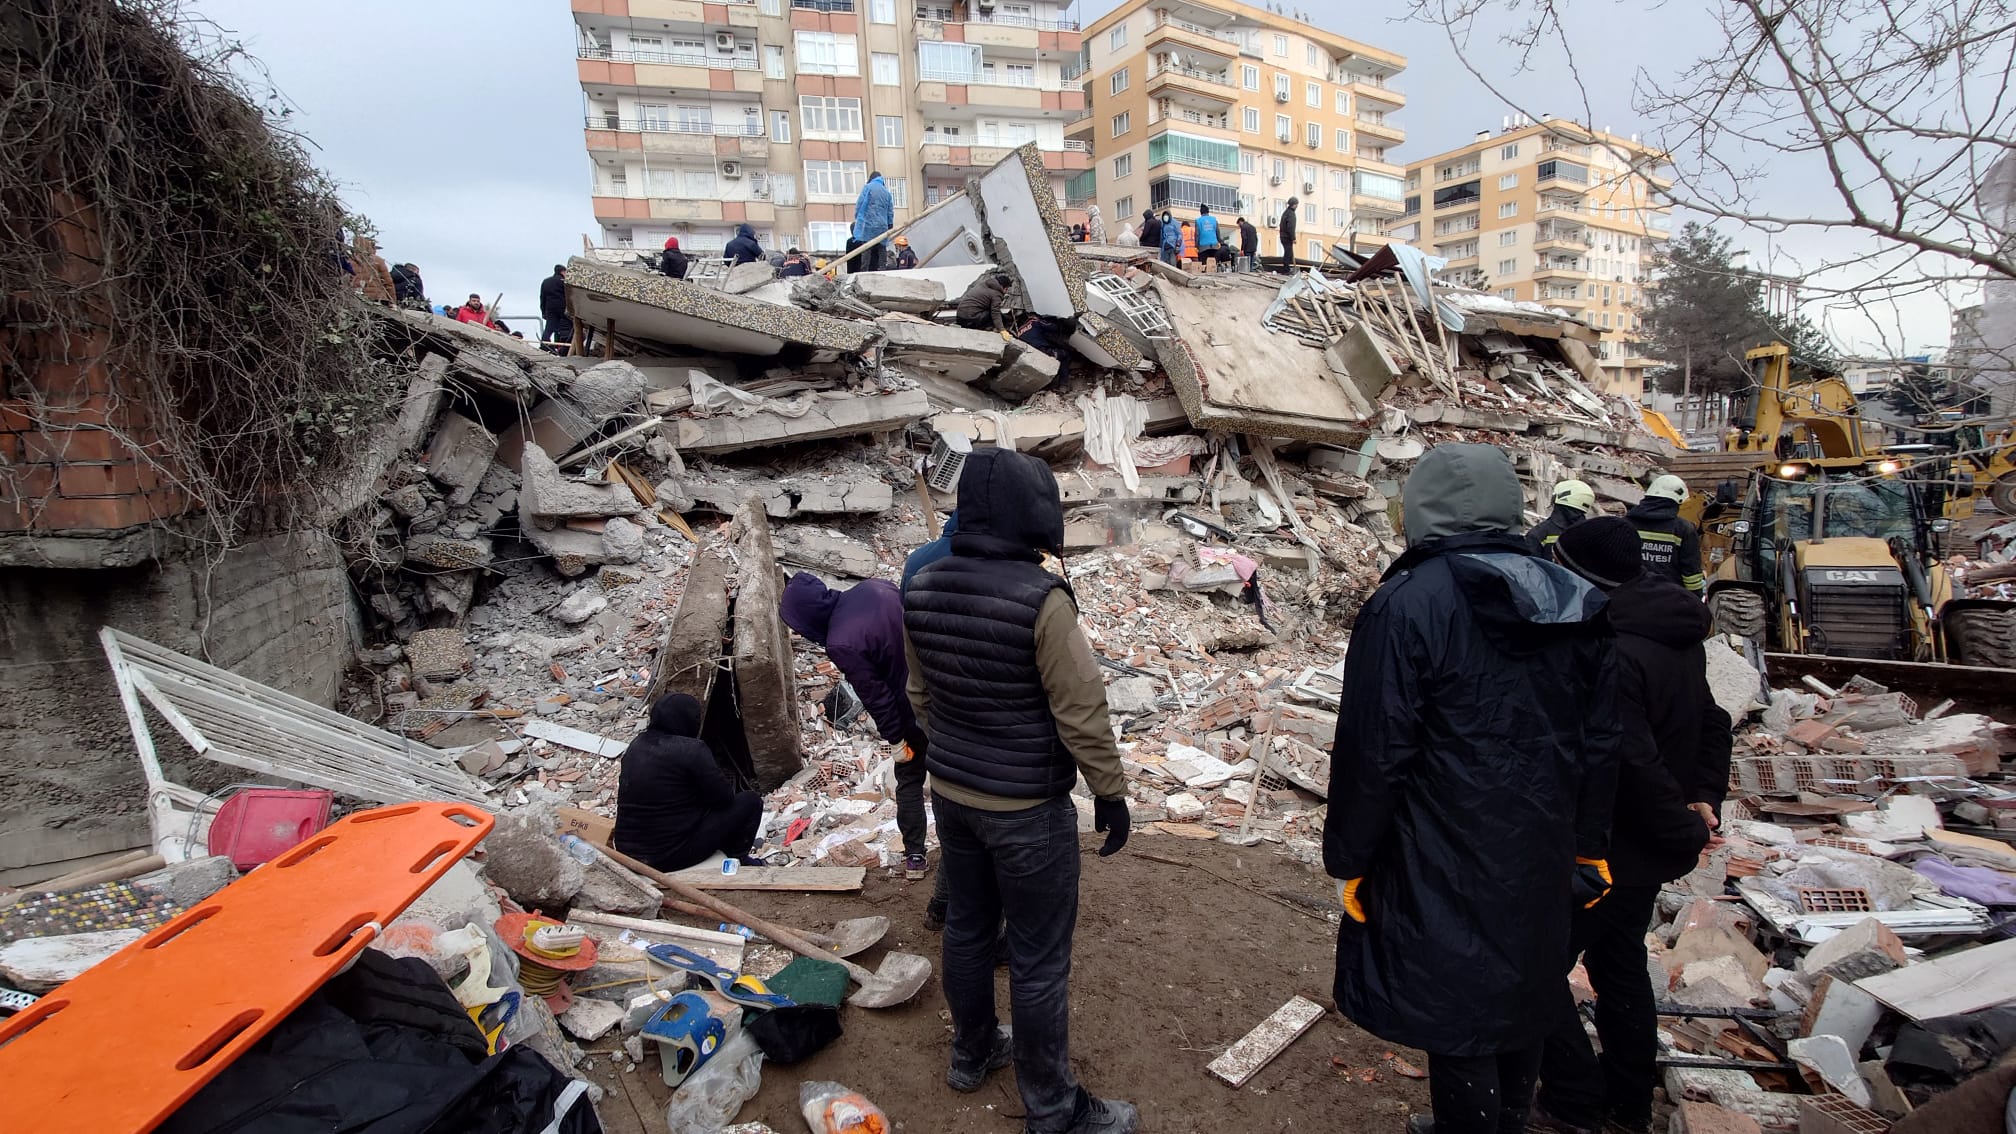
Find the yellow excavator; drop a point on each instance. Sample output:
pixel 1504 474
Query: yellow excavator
pixel 1976 458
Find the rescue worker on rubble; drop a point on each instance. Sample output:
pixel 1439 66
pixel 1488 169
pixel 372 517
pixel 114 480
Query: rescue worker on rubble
pixel 1470 787
pixel 905 257
pixel 1573 501
pixel 1151 229
pixel 558 328
pixel 1672 773
pixel 743 249
pixel 796 263
pixel 1207 230
pixel 1249 243
pixel 874 214
pixel 1095 225
pixel 674 807
pixel 672 262
pixel 1007 690
pixel 982 306
pixel 1173 239
pixel 862 631
pixel 1287 233
pixel 1670 545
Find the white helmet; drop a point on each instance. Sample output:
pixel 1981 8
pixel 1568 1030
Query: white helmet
pixel 1575 494
pixel 1670 487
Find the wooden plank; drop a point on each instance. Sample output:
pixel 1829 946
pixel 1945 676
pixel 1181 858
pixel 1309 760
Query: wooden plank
pixel 1244 1059
pixel 810 879
pixel 574 738
pixel 1966 981
pixel 723 949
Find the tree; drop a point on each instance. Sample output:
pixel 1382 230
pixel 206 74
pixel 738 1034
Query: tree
pixel 1702 315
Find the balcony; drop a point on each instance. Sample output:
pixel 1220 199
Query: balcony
pixel 1561 204
pixel 943 153
pixel 716 73
pixel 1367 89
pixel 1376 128
pixel 1384 206
pixel 1192 40
pixel 1571 238
pixel 1187 121
pixel 1560 270
pixel 608 134
pixel 995 89
pixel 1188 86
pixel 715 61
pixel 1561 176
pixel 1374 165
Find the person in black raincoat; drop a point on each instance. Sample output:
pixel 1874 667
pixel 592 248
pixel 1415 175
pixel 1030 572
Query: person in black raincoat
pixel 1672 774
pixel 1470 787
pixel 674 807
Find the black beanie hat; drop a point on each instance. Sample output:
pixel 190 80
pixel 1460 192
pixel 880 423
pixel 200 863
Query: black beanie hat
pixel 1603 550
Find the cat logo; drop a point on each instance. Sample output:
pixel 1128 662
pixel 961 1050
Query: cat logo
pixel 1839 575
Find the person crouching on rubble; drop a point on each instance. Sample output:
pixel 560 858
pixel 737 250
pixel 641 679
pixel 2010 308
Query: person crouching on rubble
pixel 1007 690
pixel 862 631
pixel 1672 773
pixel 674 807
pixel 1470 788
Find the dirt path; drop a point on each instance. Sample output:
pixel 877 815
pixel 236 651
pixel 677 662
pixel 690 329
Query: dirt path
pixel 1173 964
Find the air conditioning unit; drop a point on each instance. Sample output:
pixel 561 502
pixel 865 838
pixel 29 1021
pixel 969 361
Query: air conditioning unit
pixel 984 5
pixel 1308 187
pixel 731 169
pixel 1280 96
pixel 1275 180
pixel 724 41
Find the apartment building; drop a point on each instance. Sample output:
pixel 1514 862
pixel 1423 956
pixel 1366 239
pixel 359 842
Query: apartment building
pixel 1240 108
pixel 699 116
pixel 1549 211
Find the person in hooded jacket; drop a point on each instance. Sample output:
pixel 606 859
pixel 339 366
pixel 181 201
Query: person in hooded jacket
pixel 874 214
pixel 1172 239
pixel 1009 694
pixel 1151 229
pixel 932 552
pixel 1573 501
pixel 1673 770
pixel 558 328
pixel 862 630
pixel 672 262
pixel 1249 243
pixel 1470 786
pixel 743 249
pixel 1670 546
pixel 1287 232
pixel 674 807
pixel 1095 225
pixel 1207 228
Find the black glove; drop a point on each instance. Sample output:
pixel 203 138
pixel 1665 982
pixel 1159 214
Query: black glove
pixel 1592 881
pixel 915 744
pixel 1110 816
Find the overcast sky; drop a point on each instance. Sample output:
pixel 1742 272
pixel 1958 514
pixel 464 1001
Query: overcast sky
pixel 456 127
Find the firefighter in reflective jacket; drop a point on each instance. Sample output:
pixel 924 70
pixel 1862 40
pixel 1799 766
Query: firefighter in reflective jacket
pixel 1670 545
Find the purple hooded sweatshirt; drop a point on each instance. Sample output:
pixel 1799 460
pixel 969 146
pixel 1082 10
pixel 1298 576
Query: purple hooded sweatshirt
pixel 862 630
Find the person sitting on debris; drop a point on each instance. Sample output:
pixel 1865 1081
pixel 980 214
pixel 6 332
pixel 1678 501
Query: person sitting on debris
pixel 1008 692
pixel 1671 546
pixel 743 249
pixel 672 262
pixel 906 256
pixel 1573 501
pixel 1249 243
pixel 862 631
pixel 1672 774
pixel 674 807
pixel 796 263
pixel 1470 787
pixel 1095 225
pixel 980 309
pixel 559 327
pixel 473 311
pixel 1172 239
pixel 874 214
pixel 1151 230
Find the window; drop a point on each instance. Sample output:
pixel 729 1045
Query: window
pixel 1280 171
pixel 1337 219
pixel 1281 46
pixel 1606 293
pixel 1190 149
pixel 1508 293
pixel 783 188
pixel 1508 181
pixel 1284 128
pixel 1508 209
pixel 1249 76
pixel 1309 56
pixel 826 53
pixel 1280 88
pixel 1312 133
pixel 773 7
pixel 696 119
pixel 1343 102
pixel 1117 38
pixel 1124 207
pixel 1249 120
pixel 1312 93
pixel 882 11
pixel 773 61
pixel 888 72
pixel 1507 153
pixel 1249 162
pixel 1124 165
pixel 948 62
pixel 888 130
pixel 830 119
pixel 1340 180
pixel 1316 250
pixel 834 180
pixel 686 183
pixel 829 236
pixel 899 189
pixel 1121 123
pixel 1508 267
pixel 1383 186
pixel 780 126
pixel 1588 290
pixel 1117 82
pixel 654 116
pixel 1343 141
pixel 1508 238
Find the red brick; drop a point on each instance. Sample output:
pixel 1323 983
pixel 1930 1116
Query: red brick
pixel 1812 734
pixel 109 512
pixel 116 479
pixel 28 482
pixel 14 418
pixel 66 446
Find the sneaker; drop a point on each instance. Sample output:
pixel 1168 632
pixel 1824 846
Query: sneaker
pixel 966 1080
pixel 914 867
pixel 1108 1116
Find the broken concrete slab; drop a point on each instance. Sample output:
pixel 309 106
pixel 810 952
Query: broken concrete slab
pixel 584 604
pixel 39 964
pixel 440 655
pixel 450 553
pixel 574 551
pixel 553 425
pixel 1862 950
pixel 827 552
pixel 899 291
pixel 651 306
pixel 765 683
pixel 1133 695
pixel 1360 360
pixel 1030 371
pixel 607 389
pixel 957 353
pixel 745 278
pixel 829 416
pixel 421 404
pixel 691 655
pixel 793 496
pixel 459 456
pixel 549 496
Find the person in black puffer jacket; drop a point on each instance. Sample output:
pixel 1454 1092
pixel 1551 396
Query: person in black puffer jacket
pixel 1011 707
pixel 1673 770
pixel 674 808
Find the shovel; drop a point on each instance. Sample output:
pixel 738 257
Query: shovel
pixel 899 978
pixel 848 937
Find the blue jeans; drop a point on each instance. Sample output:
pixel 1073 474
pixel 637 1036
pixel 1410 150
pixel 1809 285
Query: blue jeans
pixel 1022 865
pixel 1168 256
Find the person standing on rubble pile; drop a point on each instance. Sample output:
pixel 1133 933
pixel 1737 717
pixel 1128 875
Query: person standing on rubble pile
pixel 407 288
pixel 1672 774
pixel 1010 697
pixel 1573 501
pixel 1207 231
pixel 982 305
pixel 672 262
pixel 861 629
pixel 743 249
pixel 1671 546
pixel 674 808
pixel 553 308
pixel 1151 230
pixel 874 214
pixel 1470 789
pixel 1095 225
pixel 1249 243
pixel 1172 239
pixel 1287 232
pixel 473 311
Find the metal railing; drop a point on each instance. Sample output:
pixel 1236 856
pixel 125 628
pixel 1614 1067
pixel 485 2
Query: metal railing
pixel 717 61
pixel 1073 145
pixel 980 17
pixel 1199 29
pixel 661 126
pixel 938 138
pixel 1220 78
pixel 824 5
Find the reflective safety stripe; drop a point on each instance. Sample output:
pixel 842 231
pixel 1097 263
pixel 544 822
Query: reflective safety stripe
pixel 1662 537
pixel 1549 541
pixel 1694 582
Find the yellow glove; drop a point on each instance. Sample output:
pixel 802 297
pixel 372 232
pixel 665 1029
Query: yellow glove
pixel 1006 337
pixel 1592 880
pixel 1347 896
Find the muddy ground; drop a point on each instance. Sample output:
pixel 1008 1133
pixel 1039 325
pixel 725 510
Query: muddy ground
pixel 1175 960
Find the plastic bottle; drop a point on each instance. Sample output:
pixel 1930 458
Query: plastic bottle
pixel 579 849
pixel 712 1097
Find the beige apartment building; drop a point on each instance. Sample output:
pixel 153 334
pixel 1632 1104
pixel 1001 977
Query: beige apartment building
pixel 1240 108
pixel 1549 211
pixel 699 116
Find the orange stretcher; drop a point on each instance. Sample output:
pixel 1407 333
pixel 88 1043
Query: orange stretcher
pixel 131 1039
